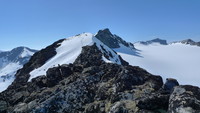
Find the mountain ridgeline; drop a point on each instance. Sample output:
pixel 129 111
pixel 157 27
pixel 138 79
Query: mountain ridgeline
pixel 190 42
pixel 97 80
pixel 10 62
pixel 157 40
pixel 19 54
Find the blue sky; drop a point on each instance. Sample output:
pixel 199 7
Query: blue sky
pixel 38 23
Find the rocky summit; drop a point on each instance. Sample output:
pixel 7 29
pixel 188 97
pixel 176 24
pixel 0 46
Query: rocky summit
pixel 92 85
pixel 112 40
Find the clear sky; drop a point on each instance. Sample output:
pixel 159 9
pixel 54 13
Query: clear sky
pixel 38 23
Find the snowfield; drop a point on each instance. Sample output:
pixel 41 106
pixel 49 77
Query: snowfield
pixel 70 49
pixel 7 75
pixel 176 60
pixel 26 53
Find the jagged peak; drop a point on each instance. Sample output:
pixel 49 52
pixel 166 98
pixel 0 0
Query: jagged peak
pixel 106 30
pixel 112 40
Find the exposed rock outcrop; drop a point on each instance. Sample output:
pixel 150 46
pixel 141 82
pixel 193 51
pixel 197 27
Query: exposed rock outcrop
pixel 185 99
pixel 111 40
pixel 170 84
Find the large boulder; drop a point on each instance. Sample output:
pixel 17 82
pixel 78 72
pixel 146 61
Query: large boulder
pixel 154 102
pixel 170 84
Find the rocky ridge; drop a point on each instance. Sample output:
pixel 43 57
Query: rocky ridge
pixel 91 85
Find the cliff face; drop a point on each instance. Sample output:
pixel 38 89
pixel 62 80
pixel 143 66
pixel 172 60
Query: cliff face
pixel 111 40
pixel 90 85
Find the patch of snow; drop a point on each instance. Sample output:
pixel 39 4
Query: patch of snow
pixel 106 60
pixel 177 61
pixel 7 75
pixel 114 59
pixel 4 85
pixel 126 50
pixel 26 53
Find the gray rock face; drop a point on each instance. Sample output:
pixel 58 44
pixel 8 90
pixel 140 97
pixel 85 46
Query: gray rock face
pixel 185 99
pixel 112 41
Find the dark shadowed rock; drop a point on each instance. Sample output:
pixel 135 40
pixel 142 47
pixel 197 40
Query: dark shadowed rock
pixel 107 38
pixel 3 106
pixel 155 102
pixel 54 75
pixel 111 40
pixel 90 56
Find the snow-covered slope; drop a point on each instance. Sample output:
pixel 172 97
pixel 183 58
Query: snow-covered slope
pixel 7 74
pixel 10 62
pixel 71 48
pixel 176 60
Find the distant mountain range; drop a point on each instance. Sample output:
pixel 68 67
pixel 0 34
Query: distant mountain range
pixel 99 73
pixel 157 40
pixel 188 42
pixel 10 62
pixel 164 42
